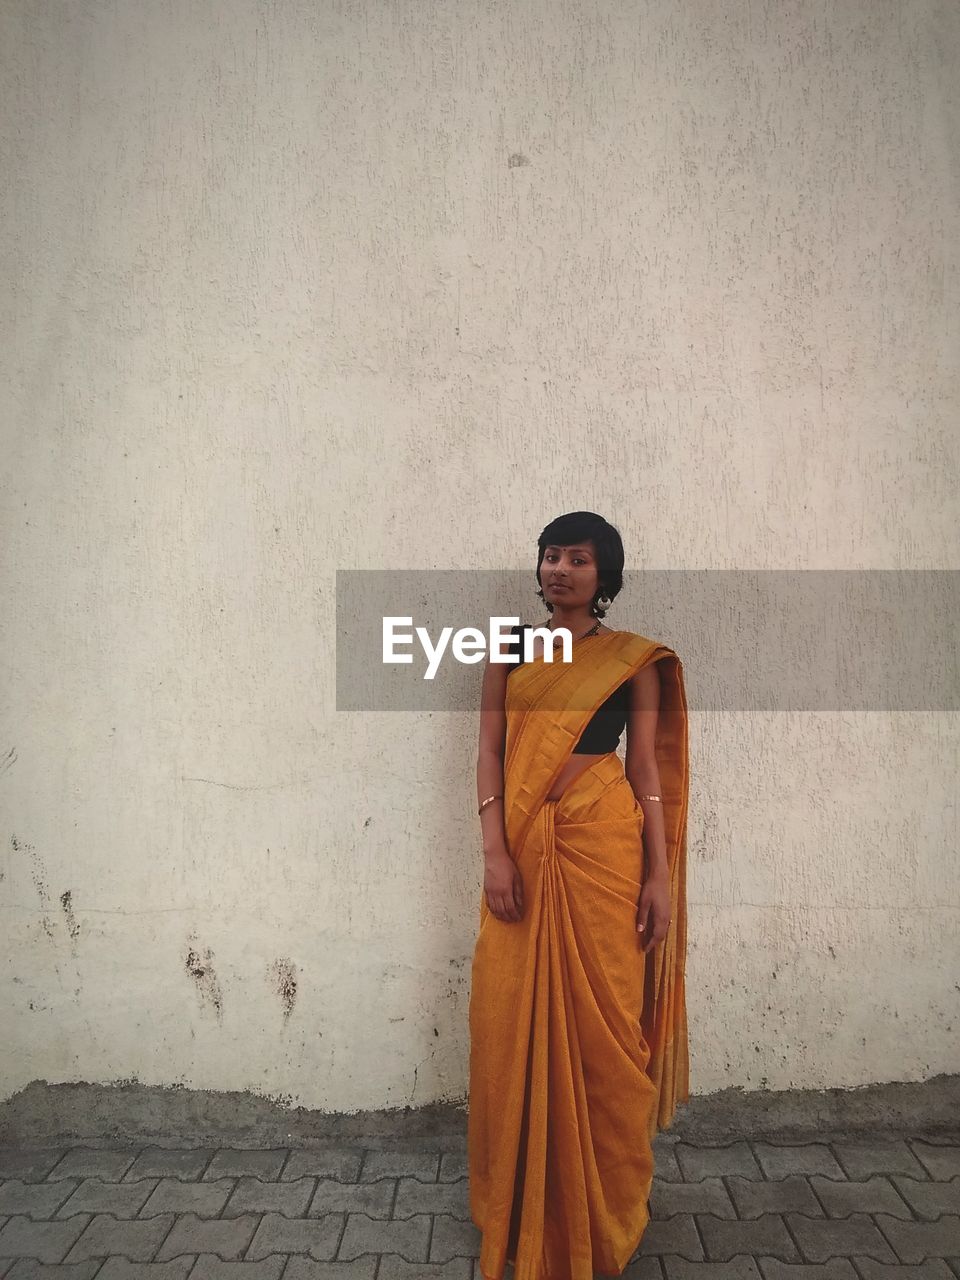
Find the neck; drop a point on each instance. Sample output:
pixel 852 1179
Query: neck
pixel 575 620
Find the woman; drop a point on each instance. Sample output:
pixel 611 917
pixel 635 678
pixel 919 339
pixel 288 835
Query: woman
pixel 578 1032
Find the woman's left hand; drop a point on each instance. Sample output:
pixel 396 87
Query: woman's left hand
pixel 653 910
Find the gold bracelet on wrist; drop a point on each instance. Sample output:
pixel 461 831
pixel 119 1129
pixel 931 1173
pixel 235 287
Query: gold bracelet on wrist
pixel 660 798
pixel 489 800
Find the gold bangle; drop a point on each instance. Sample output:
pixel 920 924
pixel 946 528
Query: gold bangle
pixel 489 800
pixel 660 798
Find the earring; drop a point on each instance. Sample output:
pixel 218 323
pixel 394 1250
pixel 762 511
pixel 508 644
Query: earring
pixel 604 603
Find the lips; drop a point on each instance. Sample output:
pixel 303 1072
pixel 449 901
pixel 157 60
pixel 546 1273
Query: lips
pixel 559 586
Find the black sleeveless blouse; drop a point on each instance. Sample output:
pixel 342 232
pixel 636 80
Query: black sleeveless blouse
pixel 603 731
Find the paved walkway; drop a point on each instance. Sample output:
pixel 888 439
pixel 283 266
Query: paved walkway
pixel 870 1209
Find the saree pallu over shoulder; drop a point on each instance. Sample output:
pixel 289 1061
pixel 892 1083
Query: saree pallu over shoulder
pixel 578 1041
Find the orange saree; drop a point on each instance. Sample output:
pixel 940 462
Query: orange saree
pixel 578 1041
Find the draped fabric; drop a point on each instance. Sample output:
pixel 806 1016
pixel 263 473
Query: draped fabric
pixel 578 1041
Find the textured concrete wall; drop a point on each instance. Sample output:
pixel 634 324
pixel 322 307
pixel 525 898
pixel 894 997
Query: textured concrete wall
pixel 294 286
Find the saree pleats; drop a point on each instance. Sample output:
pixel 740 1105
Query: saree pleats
pixel 566 1090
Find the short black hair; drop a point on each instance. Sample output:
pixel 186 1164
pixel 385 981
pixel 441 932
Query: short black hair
pixel 587 526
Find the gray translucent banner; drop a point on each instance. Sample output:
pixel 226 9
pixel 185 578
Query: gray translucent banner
pixel 749 640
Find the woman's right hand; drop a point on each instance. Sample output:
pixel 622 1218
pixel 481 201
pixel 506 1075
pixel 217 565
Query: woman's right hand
pixel 503 886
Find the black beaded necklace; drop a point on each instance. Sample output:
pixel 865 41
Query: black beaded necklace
pixel 593 631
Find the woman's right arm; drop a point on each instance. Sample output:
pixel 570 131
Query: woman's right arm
pixel 502 882
pixel 490 751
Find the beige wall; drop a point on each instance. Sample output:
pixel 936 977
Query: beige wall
pixel 294 286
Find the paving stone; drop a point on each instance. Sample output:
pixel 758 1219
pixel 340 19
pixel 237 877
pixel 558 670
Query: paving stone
pixel 135 1240
pixel 665 1162
pixel 823 1238
pixel 709 1195
pixel 878 1155
pixel 210 1267
pixel 30 1164
pixel 453 1238
pixel 190 1234
pixel 234 1163
pixel 30 1269
pixel 46 1241
pixel 453 1166
pixel 875 1195
pixel 363 1234
pixel 932 1269
pixel 779 1160
pixel 400 1164
pixel 941 1162
pixel 394 1268
pixel 318 1237
pixel 253 1196
pixel 163 1162
pixel 90 1162
pixel 929 1199
pixel 205 1199
pixel 34 1199
pixel 122 1199
pixel 708 1162
pixel 742 1267
pixel 835 1269
pixel 307 1269
pixel 414 1196
pixel 913 1241
pixel 753 1198
pixel 671 1235
pixel 341 1163
pixel 375 1199
pixel 724 1239
pixel 122 1269
pixel 636 1269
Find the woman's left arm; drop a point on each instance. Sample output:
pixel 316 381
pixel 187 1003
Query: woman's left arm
pixel 644 777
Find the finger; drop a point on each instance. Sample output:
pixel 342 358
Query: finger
pixel 656 938
pixel 505 906
pixel 643 913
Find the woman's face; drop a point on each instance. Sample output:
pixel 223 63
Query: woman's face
pixel 574 569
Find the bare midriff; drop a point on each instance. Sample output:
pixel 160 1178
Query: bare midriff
pixel 572 769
